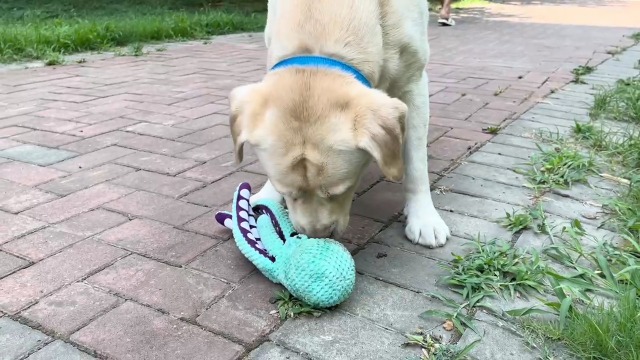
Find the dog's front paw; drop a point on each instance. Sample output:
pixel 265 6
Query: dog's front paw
pixel 424 224
pixel 267 192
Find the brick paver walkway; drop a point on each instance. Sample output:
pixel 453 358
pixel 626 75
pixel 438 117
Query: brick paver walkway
pixel 110 172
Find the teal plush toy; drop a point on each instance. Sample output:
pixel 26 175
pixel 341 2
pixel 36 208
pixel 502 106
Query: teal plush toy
pixel 320 272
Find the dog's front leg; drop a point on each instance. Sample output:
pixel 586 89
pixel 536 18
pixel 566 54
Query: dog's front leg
pixel 424 224
pixel 267 192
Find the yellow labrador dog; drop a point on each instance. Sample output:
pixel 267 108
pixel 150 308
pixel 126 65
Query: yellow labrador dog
pixel 347 84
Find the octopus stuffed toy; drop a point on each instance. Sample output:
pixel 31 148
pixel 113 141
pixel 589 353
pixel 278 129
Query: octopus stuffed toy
pixel 320 272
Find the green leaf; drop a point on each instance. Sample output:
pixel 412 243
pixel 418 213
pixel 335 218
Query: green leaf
pixel 606 270
pixel 557 289
pixel 283 313
pixel 564 311
pixel 458 325
pixel 466 350
pixel 436 314
pixel 527 311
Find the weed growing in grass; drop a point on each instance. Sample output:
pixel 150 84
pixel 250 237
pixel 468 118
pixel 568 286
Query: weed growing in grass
pixel 559 167
pixel 289 307
pixel 580 71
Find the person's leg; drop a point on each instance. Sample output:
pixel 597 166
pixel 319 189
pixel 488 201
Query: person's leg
pixel 445 13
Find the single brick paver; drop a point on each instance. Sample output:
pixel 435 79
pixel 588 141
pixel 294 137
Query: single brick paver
pixel 246 313
pixel 12 226
pixel 341 336
pixel 10 263
pixel 46 138
pixel 37 155
pixel 158 183
pixel 69 309
pixel 111 172
pixel 93 159
pixel 17 340
pixel 225 262
pixel 15 198
pixel 153 335
pixel 28 285
pixel 77 203
pixel 156 207
pixel 41 244
pixel 27 174
pixel 59 350
pixel 92 222
pixel 180 292
pixel 158 240
pixel 85 179
pixel 157 163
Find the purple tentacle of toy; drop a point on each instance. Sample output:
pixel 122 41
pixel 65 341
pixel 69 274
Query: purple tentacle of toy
pixel 246 222
pixel 263 210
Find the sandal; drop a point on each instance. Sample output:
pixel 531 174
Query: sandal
pixel 446 22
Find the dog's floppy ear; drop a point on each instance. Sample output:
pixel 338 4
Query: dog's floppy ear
pixel 247 105
pixel 379 127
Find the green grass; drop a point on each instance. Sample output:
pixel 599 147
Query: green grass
pixel 589 327
pixel 619 148
pixel 464 4
pixel 602 332
pixel 620 103
pixel 459 4
pixel 37 30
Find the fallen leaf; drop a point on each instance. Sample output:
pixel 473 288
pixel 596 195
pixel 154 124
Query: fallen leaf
pixel 448 325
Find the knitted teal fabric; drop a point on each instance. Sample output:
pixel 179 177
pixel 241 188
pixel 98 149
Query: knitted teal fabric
pixel 320 272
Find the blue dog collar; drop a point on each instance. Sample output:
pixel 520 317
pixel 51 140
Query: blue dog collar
pixel 321 62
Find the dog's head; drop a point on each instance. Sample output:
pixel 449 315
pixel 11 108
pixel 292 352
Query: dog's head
pixel 314 132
